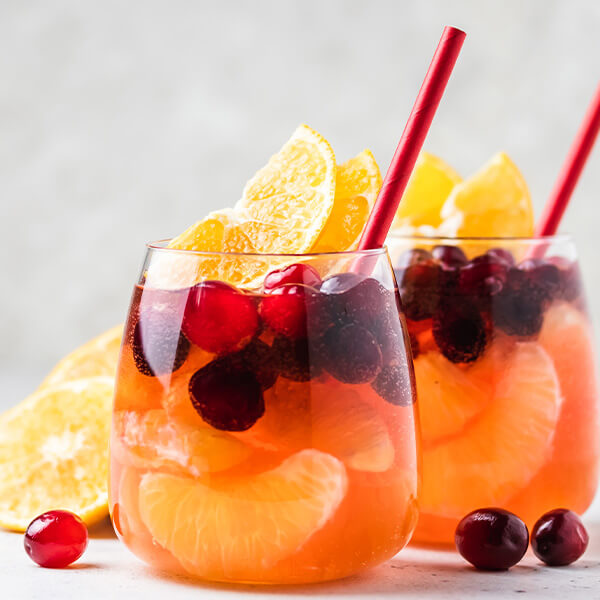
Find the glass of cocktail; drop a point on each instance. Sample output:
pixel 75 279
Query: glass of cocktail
pixel 264 432
pixel 505 372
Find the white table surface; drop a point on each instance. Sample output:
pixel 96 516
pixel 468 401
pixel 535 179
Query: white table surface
pixel 108 570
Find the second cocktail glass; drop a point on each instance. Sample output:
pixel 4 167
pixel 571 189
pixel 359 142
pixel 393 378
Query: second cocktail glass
pixel 264 432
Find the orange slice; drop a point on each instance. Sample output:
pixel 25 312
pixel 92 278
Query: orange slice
pixel 283 209
pixel 503 449
pixel 327 416
pixel 431 182
pixel 54 452
pixel 153 441
pixel 237 528
pixel 357 185
pixel 449 396
pixel 95 358
pixel 495 202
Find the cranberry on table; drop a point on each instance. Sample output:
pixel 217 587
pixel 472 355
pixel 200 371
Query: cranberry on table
pixel 559 537
pixel 219 318
pixel 56 539
pixel 492 539
pixel 298 273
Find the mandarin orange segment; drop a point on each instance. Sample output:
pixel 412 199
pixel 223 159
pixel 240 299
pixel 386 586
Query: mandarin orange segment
pixel 151 440
pixel 566 336
pixel 237 529
pixel 96 358
pixel 431 182
pixel 357 185
pixel 495 202
pixel 504 447
pixel 54 452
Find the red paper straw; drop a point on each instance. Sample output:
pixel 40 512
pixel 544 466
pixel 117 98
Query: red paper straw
pixel 412 139
pixel 571 170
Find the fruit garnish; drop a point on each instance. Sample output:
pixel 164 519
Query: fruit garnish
pixel 509 453
pixel 356 187
pixel 217 529
pixel 559 537
pixel 495 202
pixel 226 398
pixel 351 354
pixel 53 451
pixel 431 182
pixel 492 539
pixel 219 318
pixel 152 440
pixel 298 273
pixel 95 358
pixel 56 539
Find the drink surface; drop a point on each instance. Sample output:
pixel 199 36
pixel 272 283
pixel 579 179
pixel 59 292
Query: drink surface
pixel 266 436
pixel 506 381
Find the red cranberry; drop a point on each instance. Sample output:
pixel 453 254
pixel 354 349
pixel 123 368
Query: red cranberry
pixel 395 384
pixel 483 276
pixel 351 354
pixel 449 256
pixel 295 359
pixel 412 257
pixel 492 539
pixel 227 398
pixel 460 332
pixel 219 318
pixel 159 347
pixel 284 310
pixel 420 290
pixel 502 255
pixel 297 273
pixel 55 539
pixel 559 537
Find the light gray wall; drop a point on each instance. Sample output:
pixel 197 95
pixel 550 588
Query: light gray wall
pixel 122 122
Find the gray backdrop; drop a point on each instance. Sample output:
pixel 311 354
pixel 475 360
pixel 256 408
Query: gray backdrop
pixel 122 122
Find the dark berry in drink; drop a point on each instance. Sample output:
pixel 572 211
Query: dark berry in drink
pixel 459 330
pixel 559 537
pixel 542 277
pixel 420 289
pixel 363 304
pixel 492 539
pixel 229 399
pixel 219 318
pixel 259 358
pixel 483 277
pixel 351 354
pixel 570 279
pixel 284 310
pixel 412 257
pixel 158 346
pixel 390 337
pixel 299 273
pixel 449 256
pixel 395 384
pixel 502 255
pixel 56 539
pixel 296 359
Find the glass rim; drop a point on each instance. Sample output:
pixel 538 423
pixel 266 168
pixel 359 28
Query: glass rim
pixel 558 237
pixel 161 246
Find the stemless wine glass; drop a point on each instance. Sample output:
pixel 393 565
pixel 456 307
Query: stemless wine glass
pixel 264 432
pixel 506 379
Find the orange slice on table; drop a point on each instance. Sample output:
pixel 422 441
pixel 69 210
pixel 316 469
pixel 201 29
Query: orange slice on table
pixel 54 452
pixel 495 202
pixel 357 184
pixel 151 440
pixel 95 358
pixel 504 447
pixel 236 528
pixel 429 186
pixel 283 209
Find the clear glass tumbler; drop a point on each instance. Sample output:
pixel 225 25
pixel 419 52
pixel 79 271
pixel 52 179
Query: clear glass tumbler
pixel 265 431
pixel 506 378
